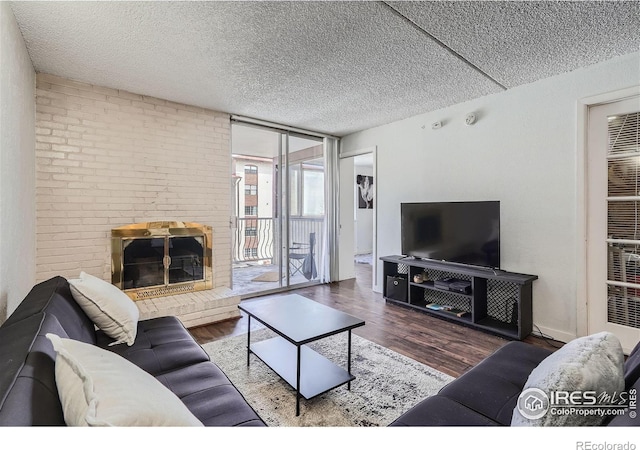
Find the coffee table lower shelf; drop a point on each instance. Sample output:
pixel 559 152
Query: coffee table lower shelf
pixel 317 374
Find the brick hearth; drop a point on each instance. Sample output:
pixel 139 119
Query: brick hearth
pixel 194 308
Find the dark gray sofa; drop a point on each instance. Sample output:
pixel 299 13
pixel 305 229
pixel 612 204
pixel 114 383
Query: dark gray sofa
pixel 163 348
pixel 487 394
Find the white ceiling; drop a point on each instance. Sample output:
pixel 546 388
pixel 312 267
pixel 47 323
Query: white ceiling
pixel 332 67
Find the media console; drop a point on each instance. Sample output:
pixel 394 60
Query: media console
pixel 498 302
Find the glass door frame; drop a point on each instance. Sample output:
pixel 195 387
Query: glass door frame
pixel 282 210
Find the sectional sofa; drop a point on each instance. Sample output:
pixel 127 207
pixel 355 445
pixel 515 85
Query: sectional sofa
pixel 163 350
pixel 153 373
pixel 487 395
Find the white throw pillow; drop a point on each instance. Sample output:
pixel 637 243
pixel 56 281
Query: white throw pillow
pixel 101 388
pixel 108 307
pixel 590 363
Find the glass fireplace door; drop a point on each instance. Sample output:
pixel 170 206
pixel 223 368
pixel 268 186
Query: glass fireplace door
pixel 160 261
pixel 143 262
pixel 186 255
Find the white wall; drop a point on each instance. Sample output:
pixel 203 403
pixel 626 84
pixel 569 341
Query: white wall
pixel 17 166
pixel 522 151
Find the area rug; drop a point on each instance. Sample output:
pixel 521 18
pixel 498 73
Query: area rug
pixel 387 383
pixel 267 276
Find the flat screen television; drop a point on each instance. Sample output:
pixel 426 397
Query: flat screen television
pixel 457 232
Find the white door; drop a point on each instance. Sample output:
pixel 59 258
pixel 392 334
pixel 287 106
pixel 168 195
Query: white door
pixel 613 220
pixel 346 268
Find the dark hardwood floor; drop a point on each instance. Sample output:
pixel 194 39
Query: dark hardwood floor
pixel 448 347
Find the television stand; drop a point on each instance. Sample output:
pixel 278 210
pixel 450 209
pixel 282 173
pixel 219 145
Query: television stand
pixel 498 302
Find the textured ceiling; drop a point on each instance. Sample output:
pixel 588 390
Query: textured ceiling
pixel 333 67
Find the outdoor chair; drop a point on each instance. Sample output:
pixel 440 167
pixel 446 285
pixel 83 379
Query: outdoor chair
pixel 302 258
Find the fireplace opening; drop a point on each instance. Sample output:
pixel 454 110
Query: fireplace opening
pixel 161 258
pixel 142 265
pixel 186 255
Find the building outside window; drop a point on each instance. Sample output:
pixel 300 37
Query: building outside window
pixel 307 190
pixel 250 252
pixel 257 178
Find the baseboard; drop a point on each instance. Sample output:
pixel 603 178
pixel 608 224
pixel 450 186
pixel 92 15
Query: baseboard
pixel 556 335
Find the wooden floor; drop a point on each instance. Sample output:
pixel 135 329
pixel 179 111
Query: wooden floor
pixel 448 347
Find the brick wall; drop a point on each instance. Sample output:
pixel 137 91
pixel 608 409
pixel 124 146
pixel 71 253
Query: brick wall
pixel 106 158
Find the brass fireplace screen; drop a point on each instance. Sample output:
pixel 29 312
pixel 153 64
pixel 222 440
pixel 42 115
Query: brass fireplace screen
pixel 154 259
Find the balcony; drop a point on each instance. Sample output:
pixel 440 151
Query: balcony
pixel 256 261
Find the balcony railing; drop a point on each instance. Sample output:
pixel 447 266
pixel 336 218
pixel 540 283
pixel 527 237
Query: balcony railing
pixel 255 238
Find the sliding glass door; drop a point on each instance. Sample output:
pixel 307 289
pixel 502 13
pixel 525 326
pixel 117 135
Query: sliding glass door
pixel 306 208
pixel 279 209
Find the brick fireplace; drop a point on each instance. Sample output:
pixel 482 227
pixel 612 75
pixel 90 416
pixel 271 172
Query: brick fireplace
pixel 166 268
pixel 105 158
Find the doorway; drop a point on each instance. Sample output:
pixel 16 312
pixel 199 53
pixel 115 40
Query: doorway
pixel 363 213
pixel 278 223
pixel 358 201
pixel 613 220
